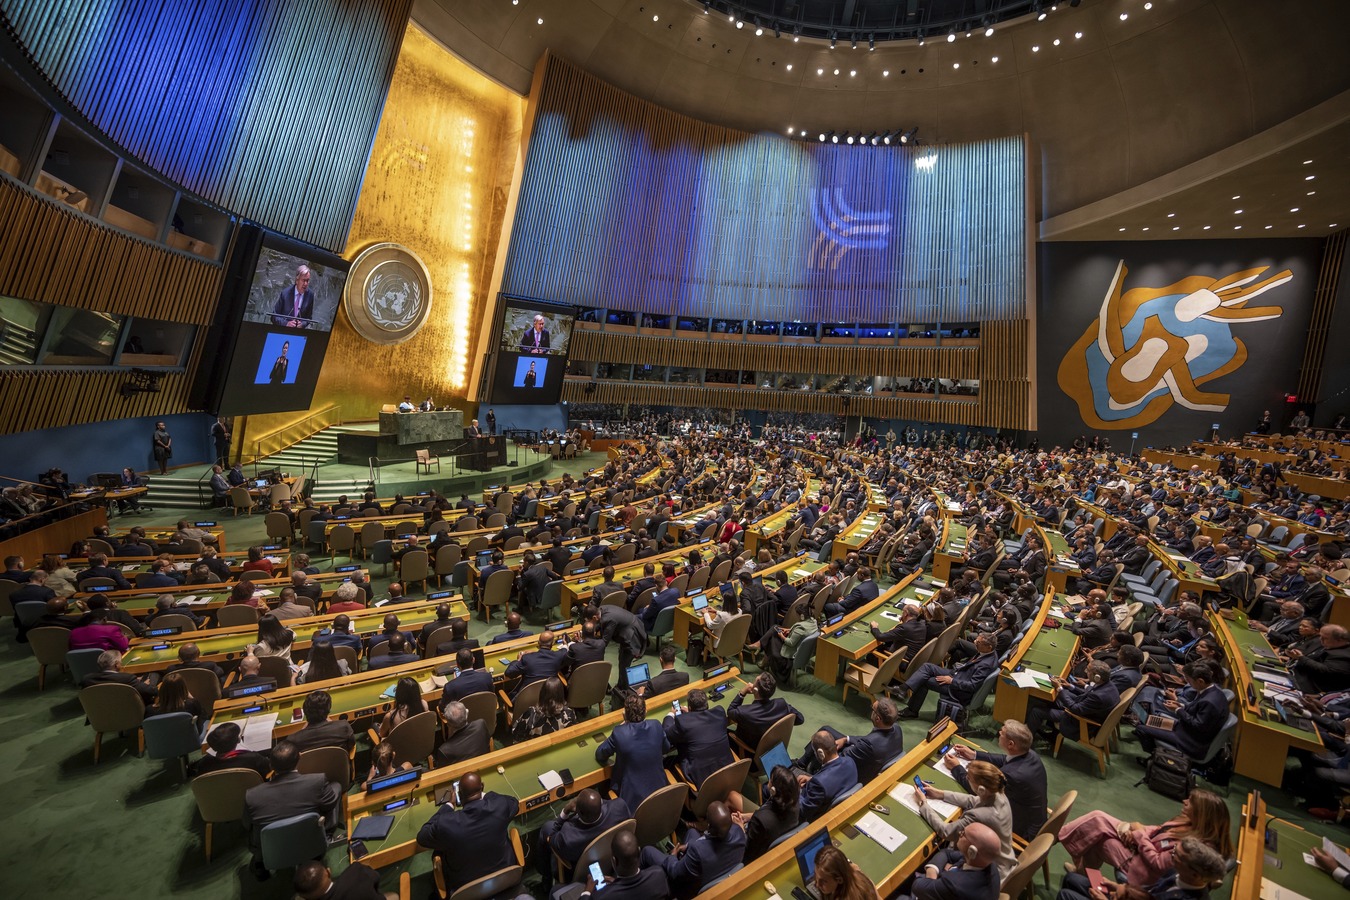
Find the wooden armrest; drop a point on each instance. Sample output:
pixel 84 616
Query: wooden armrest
pixel 516 846
pixel 741 744
pixel 506 699
pixel 374 737
pixel 405 886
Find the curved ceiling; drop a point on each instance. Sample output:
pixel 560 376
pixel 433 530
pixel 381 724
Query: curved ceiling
pixel 872 21
pixel 1114 93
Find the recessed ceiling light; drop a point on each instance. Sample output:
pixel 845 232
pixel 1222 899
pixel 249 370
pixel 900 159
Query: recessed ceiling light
pixel 1171 215
pixel 820 71
pixel 1206 228
pixel 1077 34
pixel 852 73
pixel 1148 6
pixel 1307 161
pixel 1056 42
pixel 656 18
pixel 1036 49
pixel 1122 229
pixel 836 71
pixel 1295 209
pixel 1310 193
pixel 885 73
pixel 1237 212
pixel 995 59
pixel 539 21
pixel 1145 228
pixel 956 65
pixel 1237 227
pixel 1303 226
pixel 1268 227
pixel 1176 227
pixel 1309 177
pixel 1124 16
pixel 1237 196
pixel 789 67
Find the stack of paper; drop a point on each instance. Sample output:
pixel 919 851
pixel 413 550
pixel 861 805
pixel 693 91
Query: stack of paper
pixel 880 831
pixel 904 793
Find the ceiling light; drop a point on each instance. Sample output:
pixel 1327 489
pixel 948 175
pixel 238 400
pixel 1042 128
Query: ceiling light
pixel 1171 215
pixel 1268 227
pixel 1036 48
pixel 1145 228
pixel 706 4
pixel 822 137
pixel 852 73
pixel 1206 228
pixel 908 135
pixel 1237 212
pixel 989 32
pixel 1122 229
pixel 1307 161
pixel 789 129
pixel 1295 209
pixel 1303 226
pixel 1124 16
pixel 759 31
pixel 1310 193
pixel 836 71
pixel 539 21
pixel 1309 177
pixel 731 17
pixel 1237 227
pixel 995 59
pixel 834 37
pixel 1148 6
pixel 656 18
pixel 789 67
pixel 796 33
pixel 1056 42
pixel 885 73
pixel 871 42
pixel 956 65
pixel 1176 227
pixel 740 24
pixel 1041 17
pixel 1237 196
pixel 855 43
pixel 849 139
pixel 951 35
pixel 1077 35
pixel 834 139
pixel 820 71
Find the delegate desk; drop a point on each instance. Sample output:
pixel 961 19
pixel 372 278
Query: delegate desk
pixel 513 771
pixel 887 869
pixel 575 590
pixel 799 568
pixel 1187 571
pixel 1043 651
pixel 1263 740
pixel 211 597
pixel 951 549
pixel 851 639
pixel 131 566
pixel 1278 872
pixel 857 534
pixel 227 644
pixel 166 535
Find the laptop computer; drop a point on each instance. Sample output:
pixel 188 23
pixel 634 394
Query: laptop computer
pixel 638 676
pixel 776 755
pixel 700 602
pixel 806 856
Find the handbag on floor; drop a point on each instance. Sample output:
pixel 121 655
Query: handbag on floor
pixel 1169 772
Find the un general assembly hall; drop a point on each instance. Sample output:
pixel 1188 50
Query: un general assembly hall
pixel 672 449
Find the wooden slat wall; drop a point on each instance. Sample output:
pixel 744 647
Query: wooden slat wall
pixel 35 399
pixel 1324 303
pixel 627 205
pixel 265 107
pixel 49 253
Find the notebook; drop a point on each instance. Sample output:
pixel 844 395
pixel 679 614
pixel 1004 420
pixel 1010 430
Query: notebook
pixel 372 828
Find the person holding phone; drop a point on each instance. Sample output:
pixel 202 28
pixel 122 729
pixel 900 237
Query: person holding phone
pixel 471 839
pixel 986 805
pixel 566 837
pixel 631 880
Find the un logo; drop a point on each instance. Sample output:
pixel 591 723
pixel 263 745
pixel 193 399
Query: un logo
pixel 388 294
pixel 1151 347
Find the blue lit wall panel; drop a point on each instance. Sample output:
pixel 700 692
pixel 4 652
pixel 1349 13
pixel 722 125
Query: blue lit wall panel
pixel 630 206
pixel 265 107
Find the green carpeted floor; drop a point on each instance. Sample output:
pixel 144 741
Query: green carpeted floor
pixel 128 827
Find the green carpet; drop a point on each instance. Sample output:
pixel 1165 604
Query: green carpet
pixel 137 822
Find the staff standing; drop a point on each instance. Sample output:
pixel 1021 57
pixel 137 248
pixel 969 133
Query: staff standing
pixel 162 444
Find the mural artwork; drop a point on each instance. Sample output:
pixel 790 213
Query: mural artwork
pixel 1152 347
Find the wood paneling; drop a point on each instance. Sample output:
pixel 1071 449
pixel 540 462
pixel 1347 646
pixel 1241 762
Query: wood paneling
pixel 54 538
pixel 51 254
pixel 265 107
pixel 1324 302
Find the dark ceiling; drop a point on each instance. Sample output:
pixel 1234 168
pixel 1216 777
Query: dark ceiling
pixel 866 21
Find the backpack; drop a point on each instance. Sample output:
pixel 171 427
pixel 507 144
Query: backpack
pixel 1168 772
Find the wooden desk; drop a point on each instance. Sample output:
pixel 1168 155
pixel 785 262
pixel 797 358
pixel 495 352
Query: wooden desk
pixel 858 533
pixel 952 549
pixel 1254 878
pixel 1262 744
pixel 851 639
pixel 1048 650
pixel 799 568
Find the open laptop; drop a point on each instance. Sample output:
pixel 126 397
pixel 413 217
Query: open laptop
pixel 777 755
pixel 638 676
pixel 700 603
pixel 806 859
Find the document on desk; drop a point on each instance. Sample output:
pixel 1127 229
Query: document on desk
pixel 1057 613
pixel 1272 891
pixel 194 600
pixel 550 780
pixel 1024 679
pixel 1272 678
pixel 264 592
pixel 1040 677
pixel 922 592
pixel 880 831
pixel 801 573
pixel 941 766
pixel 904 794
pixel 258 732
pixel 1337 853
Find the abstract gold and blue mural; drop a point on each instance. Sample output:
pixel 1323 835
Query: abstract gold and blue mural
pixel 1154 346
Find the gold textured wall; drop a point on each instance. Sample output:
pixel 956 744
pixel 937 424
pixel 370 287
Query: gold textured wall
pixel 437 183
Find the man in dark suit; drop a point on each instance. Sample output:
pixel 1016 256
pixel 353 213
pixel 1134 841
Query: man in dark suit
pixel 1197 723
pixel 957 685
pixel 664 598
pixel 442 620
pixel 836 775
pixel 567 836
pixel 753 720
pixel 472 840
pixel 227 754
pixel 459 639
pixel 872 751
pixel 540 665
pixel 189 657
pixel 314 881
pixel 288 794
pixel 1022 768
pixel 911 634
pixel 864 592
pixel 966 872
pixel 637 747
pixel 535 340
pixel 110 672
pixel 631 880
pixel 668 679
pixel 1284 630
pixel 607 586
pixel 1325 667
pixel 1092 701
pixel 319 730
pixel 513 630
pixel 295 304
pixel 465 737
pixel 468 680
pixel 98 568
pixel 619 625
pixel 590 647
pixel 704 857
pixel 699 736
pixel 473 431
pixel 400 650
